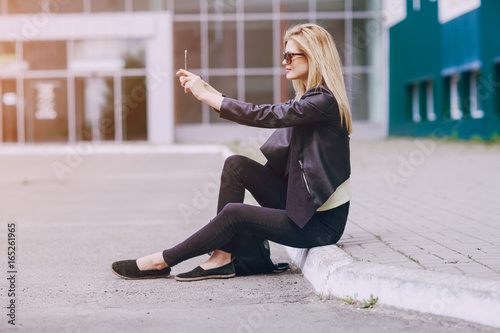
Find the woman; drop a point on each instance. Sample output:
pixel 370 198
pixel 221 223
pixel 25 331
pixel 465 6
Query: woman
pixel 303 190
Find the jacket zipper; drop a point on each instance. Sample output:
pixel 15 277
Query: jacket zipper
pixel 304 177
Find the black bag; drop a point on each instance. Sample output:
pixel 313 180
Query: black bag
pixel 252 256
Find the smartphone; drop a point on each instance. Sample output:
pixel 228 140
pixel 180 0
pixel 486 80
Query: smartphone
pixel 186 60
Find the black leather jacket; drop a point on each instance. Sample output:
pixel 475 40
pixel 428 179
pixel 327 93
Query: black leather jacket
pixel 310 146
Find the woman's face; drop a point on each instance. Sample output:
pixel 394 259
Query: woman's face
pixel 298 69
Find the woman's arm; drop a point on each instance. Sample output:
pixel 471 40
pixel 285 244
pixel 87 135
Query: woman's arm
pixel 317 105
pixel 201 90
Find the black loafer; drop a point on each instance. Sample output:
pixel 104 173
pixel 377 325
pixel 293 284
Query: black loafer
pixel 127 269
pixel 223 272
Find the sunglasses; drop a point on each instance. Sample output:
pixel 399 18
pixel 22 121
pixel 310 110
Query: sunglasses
pixel 288 57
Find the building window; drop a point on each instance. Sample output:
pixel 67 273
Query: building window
pixel 95 108
pixel 415 103
pixel 258 6
pixel 187 36
pixel 362 44
pixel 107 5
pixel 258 44
pixel 221 6
pixel 8 114
pixel 228 84
pixel 43 55
pixel 134 114
pixel 149 5
pixel 186 7
pixel 496 87
pixel 23 6
pixel 330 5
pixel 293 6
pixel 429 96
pixel 476 111
pixel 49 6
pixel 222 44
pixel 46 110
pixel 416 5
pixel 421 101
pixel 456 112
pixel 66 6
pixel 359 96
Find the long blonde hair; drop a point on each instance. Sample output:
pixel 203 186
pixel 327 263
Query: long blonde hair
pixel 325 67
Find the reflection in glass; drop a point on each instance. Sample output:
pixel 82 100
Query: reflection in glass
pixel 66 6
pixel 359 97
pixel 186 7
pixel 496 87
pixel 45 54
pixel 285 25
pixel 97 55
pixel 258 6
pixel 48 6
pixel 8 60
pixel 222 44
pixel 46 113
pixel 94 108
pixel 149 5
pixel 337 29
pixel 107 5
pixel 330 5
pixel 258 44
pixel 365 5
pixel 134 105
pixel 108 55
pixel 226 85
pixel 134 53
pixel 287 91
pixel 222 6
pixel 187 37
pixel 294 6
pixel 363 39
pixel 24 6
pixel 187 108
pixel 9 116
pixel 259 89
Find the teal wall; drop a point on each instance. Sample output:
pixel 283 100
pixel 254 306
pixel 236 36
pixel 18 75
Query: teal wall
pixel 422 49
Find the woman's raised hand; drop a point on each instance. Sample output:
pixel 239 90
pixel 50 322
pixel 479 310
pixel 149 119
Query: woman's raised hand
pixel 192 83
pixel 201 90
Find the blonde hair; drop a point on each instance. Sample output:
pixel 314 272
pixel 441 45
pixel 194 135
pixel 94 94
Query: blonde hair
pixel 325 67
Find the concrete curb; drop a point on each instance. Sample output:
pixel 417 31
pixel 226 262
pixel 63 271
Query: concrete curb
pixel 333 272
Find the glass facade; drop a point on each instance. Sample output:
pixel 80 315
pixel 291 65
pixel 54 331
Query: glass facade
pixel 73 90
pixel 238 44
pixel 95 89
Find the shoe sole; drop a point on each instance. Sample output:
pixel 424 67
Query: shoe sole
pixel 205 277
pixel 139 278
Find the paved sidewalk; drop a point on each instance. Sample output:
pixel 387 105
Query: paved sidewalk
pixel 426 204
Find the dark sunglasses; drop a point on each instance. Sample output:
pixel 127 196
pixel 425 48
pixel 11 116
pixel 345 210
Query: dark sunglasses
pixel 288 57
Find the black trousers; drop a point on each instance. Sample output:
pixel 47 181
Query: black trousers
pixel 268 221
